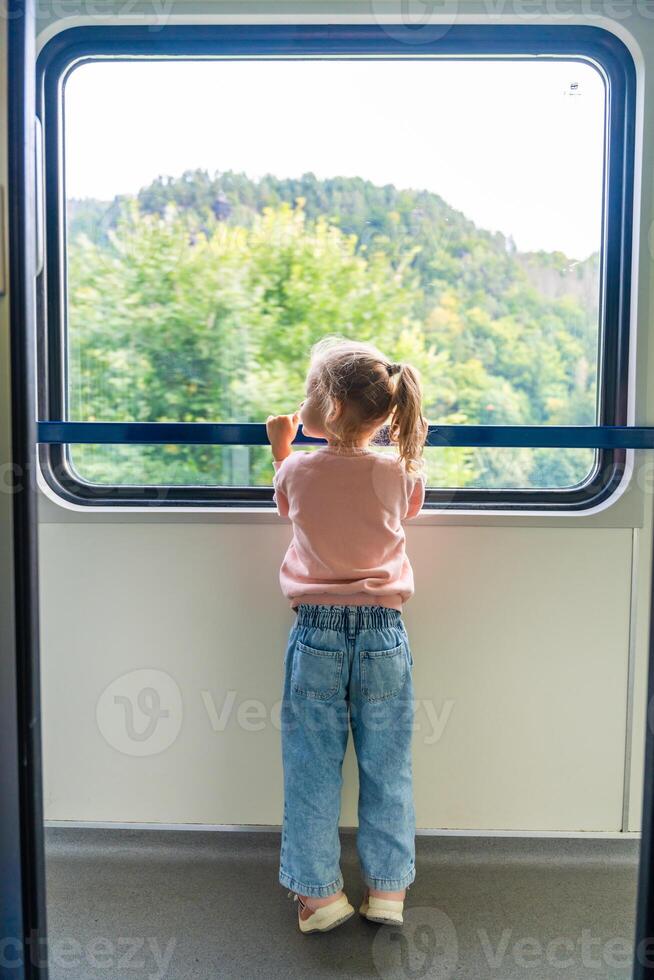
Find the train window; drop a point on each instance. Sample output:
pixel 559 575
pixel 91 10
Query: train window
pixel 217 205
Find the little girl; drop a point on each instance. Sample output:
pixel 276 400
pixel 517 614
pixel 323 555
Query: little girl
pixel 347 576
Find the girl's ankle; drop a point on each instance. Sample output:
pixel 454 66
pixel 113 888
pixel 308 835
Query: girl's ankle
pixel 315 902
pixel 397 896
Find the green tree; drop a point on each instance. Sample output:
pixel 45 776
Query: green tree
pixel 200 299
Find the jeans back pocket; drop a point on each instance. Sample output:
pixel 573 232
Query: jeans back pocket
pixel 383 672
pixel 316 673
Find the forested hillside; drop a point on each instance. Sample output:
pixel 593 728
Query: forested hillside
pixel 198 300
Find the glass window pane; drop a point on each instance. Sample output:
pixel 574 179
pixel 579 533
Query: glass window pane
pixel 223 215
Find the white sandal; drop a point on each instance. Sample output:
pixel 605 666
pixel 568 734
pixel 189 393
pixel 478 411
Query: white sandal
pixel 387 911
pixel 325 917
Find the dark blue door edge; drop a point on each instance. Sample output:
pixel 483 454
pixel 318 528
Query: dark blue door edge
pixel 22 877
pixel 644 933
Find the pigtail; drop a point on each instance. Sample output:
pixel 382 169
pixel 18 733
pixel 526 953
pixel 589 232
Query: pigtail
pixel 408 427
pixel 372 391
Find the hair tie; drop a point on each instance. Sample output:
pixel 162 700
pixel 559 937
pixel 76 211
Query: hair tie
pixel 393 368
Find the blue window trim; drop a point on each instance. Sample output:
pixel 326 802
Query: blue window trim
pixel 254 434
pixel 610 56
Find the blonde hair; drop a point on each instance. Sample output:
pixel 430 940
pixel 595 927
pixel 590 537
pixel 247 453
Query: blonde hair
pixel 371 388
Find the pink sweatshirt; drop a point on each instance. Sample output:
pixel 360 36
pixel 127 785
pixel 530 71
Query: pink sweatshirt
pixel 346 507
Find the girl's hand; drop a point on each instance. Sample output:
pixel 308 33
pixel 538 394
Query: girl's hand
pixel 281 431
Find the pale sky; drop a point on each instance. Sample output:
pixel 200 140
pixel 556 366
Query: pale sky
pixel 510 144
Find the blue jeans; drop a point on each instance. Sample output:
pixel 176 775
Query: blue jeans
pixel 347 661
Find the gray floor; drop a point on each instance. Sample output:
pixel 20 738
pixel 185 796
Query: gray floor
pixel 200 905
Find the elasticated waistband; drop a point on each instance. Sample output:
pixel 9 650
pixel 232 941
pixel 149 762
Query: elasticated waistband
pixel 347 618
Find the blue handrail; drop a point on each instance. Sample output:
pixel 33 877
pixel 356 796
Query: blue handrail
pixel 254 434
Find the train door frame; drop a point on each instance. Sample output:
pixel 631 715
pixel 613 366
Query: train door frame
pixel 23 939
